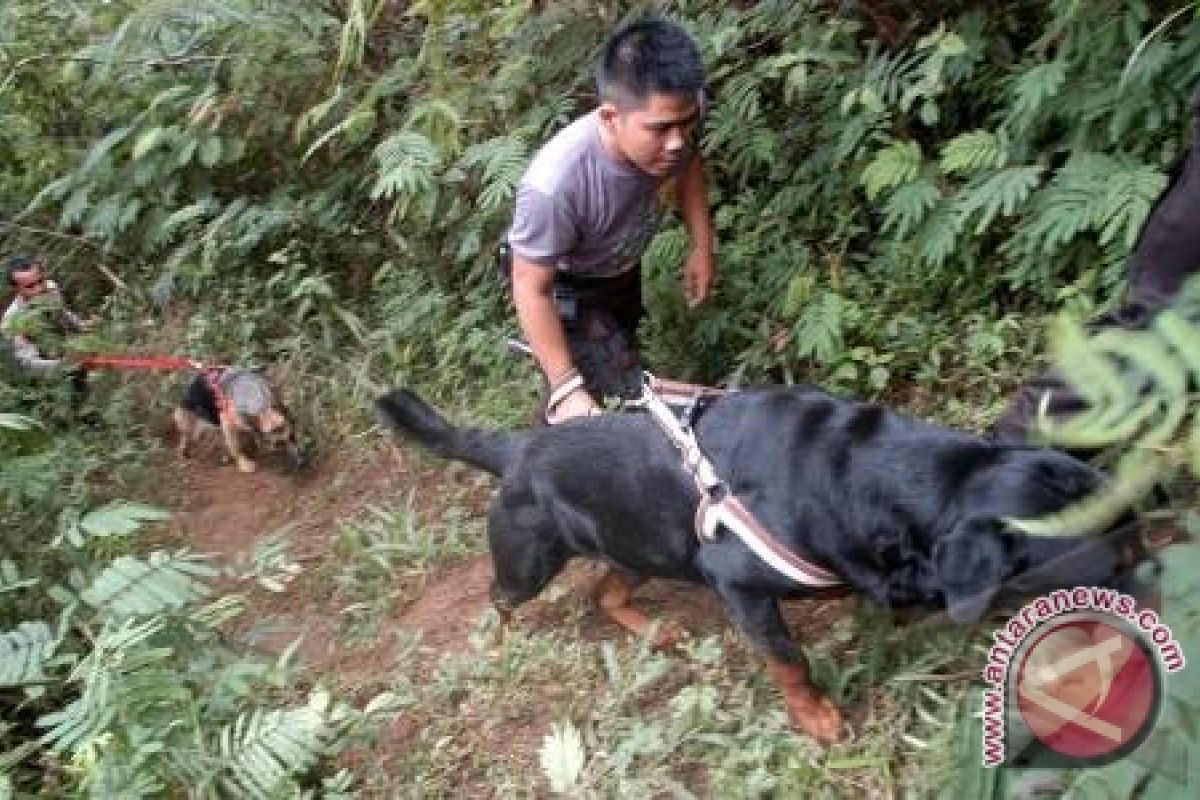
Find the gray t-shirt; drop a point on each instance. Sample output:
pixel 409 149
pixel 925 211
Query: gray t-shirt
pixel 247 391
pixel 24 349
pixel 581 209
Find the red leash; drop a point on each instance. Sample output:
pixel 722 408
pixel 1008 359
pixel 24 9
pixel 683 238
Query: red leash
pixel 212 372
pixel 145 362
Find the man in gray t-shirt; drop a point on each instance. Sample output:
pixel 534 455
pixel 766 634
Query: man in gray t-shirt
pixel 588 206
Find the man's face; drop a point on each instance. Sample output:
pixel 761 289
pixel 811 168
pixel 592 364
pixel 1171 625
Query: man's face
pixel 654 137
pixel 29 282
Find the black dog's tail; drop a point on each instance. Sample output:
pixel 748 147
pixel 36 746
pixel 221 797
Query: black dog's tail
pixel 408 415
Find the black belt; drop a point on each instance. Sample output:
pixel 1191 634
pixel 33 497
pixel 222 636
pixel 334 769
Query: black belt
pixel 588 282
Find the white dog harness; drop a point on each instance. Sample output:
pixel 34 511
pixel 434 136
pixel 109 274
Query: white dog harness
pixel 718 505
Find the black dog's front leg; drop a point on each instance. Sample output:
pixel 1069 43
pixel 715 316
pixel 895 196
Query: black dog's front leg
pixel 758 617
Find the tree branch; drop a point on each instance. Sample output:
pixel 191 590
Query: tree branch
pixel 145 62
pixel 112 277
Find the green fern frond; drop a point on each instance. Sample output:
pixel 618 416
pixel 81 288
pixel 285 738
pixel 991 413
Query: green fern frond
pixel 1108 397
pixel 170 97
pixel 101 151
pixel 114 519
pixel 78 722
pixel 120 519
pixel 738 141
pixel 353 129
pixel 999 194
pixel 818 333
pixel 1184 336
pixel 1130 192
pixel 400 153
pixel 359 16
pixel 1135 65
pixel 666 251
pixel 898 163
pixel 24 652
pixel 790 202
pixel 972 151
pixel 104 217
pixel 1135 476
pixel 181 217
pixel 117 649
pixel 1059 215
pixel 440 121
pixel 552 114
pixel 162 582
pixel 888 74
pixel 757 150
pixel 76 206
pixel 407 165
pixel 317 114
pixel 149 140
pixel 937 238
pixel 503 160
pixel 741 96
pixel 264 749
pixel 1033 88
pixel 908 206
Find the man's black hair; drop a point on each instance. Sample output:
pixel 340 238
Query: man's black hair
pixel 648 56
pixel 17 264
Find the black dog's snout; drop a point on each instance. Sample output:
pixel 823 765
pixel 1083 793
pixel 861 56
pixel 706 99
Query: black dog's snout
pixel 298 457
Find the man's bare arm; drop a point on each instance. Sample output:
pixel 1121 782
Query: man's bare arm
pixel 533 296
pixel 700 267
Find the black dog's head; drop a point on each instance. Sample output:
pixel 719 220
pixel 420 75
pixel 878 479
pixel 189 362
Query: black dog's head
pixel 984 563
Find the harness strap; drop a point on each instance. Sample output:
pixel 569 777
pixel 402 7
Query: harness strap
pixel 733 514
pixel 720 507
pixel 212 376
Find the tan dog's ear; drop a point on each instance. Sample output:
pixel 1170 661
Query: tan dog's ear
pixel 271 420
pixel 276 374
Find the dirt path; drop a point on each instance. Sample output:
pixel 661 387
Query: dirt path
pixel 224 513
pixel 227 514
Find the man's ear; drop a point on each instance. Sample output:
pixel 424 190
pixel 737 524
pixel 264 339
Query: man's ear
pixel 608 113
pixel 970 563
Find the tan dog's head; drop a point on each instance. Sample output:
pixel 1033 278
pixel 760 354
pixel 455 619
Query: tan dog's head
pixel 278 433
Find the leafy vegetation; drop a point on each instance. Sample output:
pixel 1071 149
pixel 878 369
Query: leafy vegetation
pixel 902 192
pixel 113 673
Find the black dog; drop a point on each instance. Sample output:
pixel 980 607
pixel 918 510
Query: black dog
pixel 908 513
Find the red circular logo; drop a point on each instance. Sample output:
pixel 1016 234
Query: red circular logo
pixel 1087 689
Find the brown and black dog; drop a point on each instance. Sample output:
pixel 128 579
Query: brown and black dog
pixel 907 513
pixel 243 404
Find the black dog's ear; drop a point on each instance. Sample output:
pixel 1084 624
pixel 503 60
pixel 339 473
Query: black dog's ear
pixel 971 563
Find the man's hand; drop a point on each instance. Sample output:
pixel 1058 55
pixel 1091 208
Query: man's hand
pixel 569 398
pixel 577 404
pixel 698 273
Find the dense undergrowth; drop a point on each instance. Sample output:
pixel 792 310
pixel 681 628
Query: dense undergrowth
pixel 902 193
